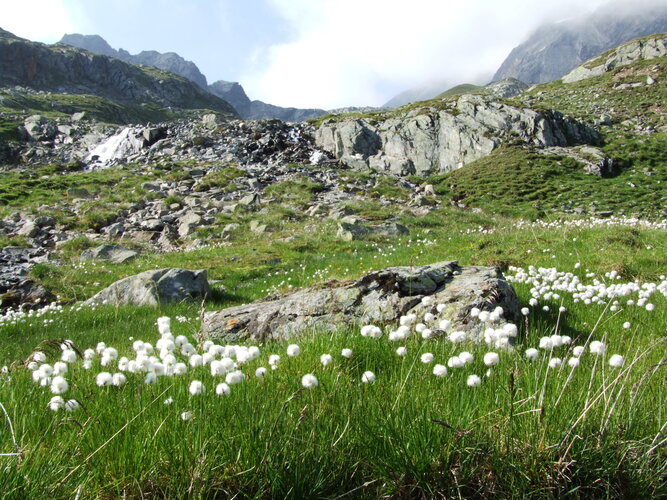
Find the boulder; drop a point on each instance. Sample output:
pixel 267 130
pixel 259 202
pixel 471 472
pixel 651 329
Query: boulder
pixel 350 231
pixel 38 128
pixel 379 297
pixel 152 288
pixel 113 253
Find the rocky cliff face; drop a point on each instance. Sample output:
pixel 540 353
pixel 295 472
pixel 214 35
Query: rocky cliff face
pixel 168 61
pixel 554 50
pixel 429 140
pixel 69 70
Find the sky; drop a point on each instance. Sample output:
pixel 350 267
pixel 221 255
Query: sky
pixel 307 53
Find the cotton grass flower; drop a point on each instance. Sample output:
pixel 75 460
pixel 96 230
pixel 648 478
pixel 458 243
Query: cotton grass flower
pixel 235 377
pixel 578 351
pixel 186 415
pixel 260 372
pixel 402 351
pixel 196 387
pixel 118 379
pixel 309 381
pixel 427 358
pixel 573 362
pixel 455 362
pixel 346 353
pixel 59 385
pixel 491 359
pixel 473 381
pixel 71 405
pixel 56 403
pixel 525 311
pixel 616 361
pixel 274 360
pixel 555 362
pixel 104 379
pixel 466 357
pixel 439 370
pixel 223 389
pixel 597 347
pixel 151 378
pixel 445 325
pixel 627 325
pixel 59 368
pixel 293 350
pixel 326 359
pixel 68 356
pixel 39 356
pixel 368 377
pixel 532 353
pixel 168 401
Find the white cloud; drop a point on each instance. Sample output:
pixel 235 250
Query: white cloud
pixel 38 20
pixel 359 52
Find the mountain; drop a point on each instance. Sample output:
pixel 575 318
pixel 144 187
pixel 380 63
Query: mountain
pixel 232 92
pixel 168 61
pixel 126 92
pixel 555 49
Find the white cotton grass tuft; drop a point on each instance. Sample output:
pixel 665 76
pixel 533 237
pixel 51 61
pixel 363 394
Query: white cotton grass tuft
pixel 39 356
pixel 274 360
pixel 309 381
pixel 59 368
pixel 118 379
pixel 293 350
pixel 326 359
pixel 455 362
pixel 103 379
pixel 71 405
pixel 573 362
pixel 186 415
pixel 402 351
pixel 578 351
pixel 196 387
pixel 532 353
pixel 260 372
pixel 151 378
pixel 597 347
pixel 368 377
pixel 59 385
pixel 68 356
pixel 427 358
pixel 445 325
pixel 371 331
pixel 616 361
pixel 346 353
pixel 466 357
pixel 56 403
pixel 525 311
pixel 168 401
pixel 439 370
pixel 555 362
pixel 223 389
pixel 235 377
pixel 491 359
pixel 473 381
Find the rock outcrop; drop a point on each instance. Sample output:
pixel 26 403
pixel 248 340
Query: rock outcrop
pixel 152 288
pixel 379 297
pixel 428 140
pixel 112 253
pixel 628 53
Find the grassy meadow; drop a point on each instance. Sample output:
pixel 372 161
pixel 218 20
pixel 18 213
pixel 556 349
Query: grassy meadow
pixel 528 429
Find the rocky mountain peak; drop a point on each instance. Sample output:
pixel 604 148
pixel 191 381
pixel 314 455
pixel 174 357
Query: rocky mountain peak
pixel 556 48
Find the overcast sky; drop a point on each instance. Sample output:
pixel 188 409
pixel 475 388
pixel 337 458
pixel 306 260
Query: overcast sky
pixel 307 53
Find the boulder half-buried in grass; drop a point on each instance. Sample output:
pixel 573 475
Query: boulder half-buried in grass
pixel 379 297
pixel 159 286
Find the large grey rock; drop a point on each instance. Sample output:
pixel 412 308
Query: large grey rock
pixel 152 288
pixel 379 297
pixel 38 128
pixel 350 231
pixel 113 253
pixel 430 140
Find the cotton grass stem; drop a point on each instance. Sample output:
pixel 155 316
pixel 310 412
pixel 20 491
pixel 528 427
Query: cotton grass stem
pixel 11 432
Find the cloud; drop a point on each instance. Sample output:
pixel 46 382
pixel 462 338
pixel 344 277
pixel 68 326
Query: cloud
pixel 41 20
pixel 362 52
